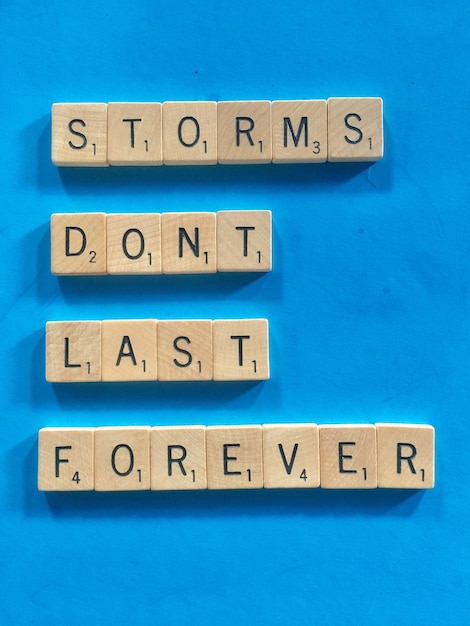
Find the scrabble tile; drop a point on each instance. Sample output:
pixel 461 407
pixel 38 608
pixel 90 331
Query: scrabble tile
pixel 405 456
pixel 178 457
pixel 234 457
pixel 184 350
pixel 190 133
pixel 244 241
pixel 122 458
pixel 291 456
pixel 244 132
pixel 355 129
pixel 134 243
pixel 348 456
pixel 78 243
pixel 300 131
pixel 129 350
pixel 135 133
pixel 79 134
pixel 240 349
pixel 65 459
pixel 189 243
pixel 73 352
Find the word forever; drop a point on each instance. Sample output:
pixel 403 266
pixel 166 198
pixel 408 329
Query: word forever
pixel 206 133
pixel 351 456
pixel 150 350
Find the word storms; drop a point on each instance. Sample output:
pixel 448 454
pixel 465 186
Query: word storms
pixel 236 457
pixel 150 350
pixel 206 133
pixel 154 243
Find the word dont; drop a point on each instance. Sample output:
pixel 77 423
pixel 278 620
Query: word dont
pixel 237 457
pixel 206 133
pixel 154 243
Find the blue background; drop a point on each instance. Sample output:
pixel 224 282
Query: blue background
pixel 368 302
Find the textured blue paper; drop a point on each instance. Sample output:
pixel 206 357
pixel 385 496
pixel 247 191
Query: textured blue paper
pixel 368 303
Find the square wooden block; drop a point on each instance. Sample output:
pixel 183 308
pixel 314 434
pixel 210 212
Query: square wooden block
pixel 355 129
pixel 291 456
pixel 189 243
pixel 300 131
pixel 190 133
pixel 65 459
pixel 73 352
pixel 244 241
pixel 234 457
pixel 178 457
pixel 405 456
pixel 244 132
pixel 135 133
pixel 122 458
pixel 78 243
pixel 184 350
pixel 348 456
pixel 128 350
pixel 240 349
pixel 79 134
pixel 134 244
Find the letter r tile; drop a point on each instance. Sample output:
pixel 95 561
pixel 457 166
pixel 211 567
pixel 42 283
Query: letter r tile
pixel 405 456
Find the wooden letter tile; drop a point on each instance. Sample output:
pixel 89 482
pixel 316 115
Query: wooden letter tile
pixel 234 457
pixel 244 132
pixel 79 134
pixel 291 456
pixel 184 350
pixel 178 457
pixel 122 458
pixel 188 243
pixel 134 243
pixel 65 459
pixel 355 129
pixel 78 243
pixel 190 133
pixel 129 350
pixel 405 456
pixel 300 131
pixel 348 456
pixel 135 133
pixel 73 352
pixel 240 349
pixel 244 241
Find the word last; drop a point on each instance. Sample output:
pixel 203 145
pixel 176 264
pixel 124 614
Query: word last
pixel 150 350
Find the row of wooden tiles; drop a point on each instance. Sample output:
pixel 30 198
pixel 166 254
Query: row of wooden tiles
pixel 206 133
pixel 150 350
pixel 236 457
pixel 154 243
